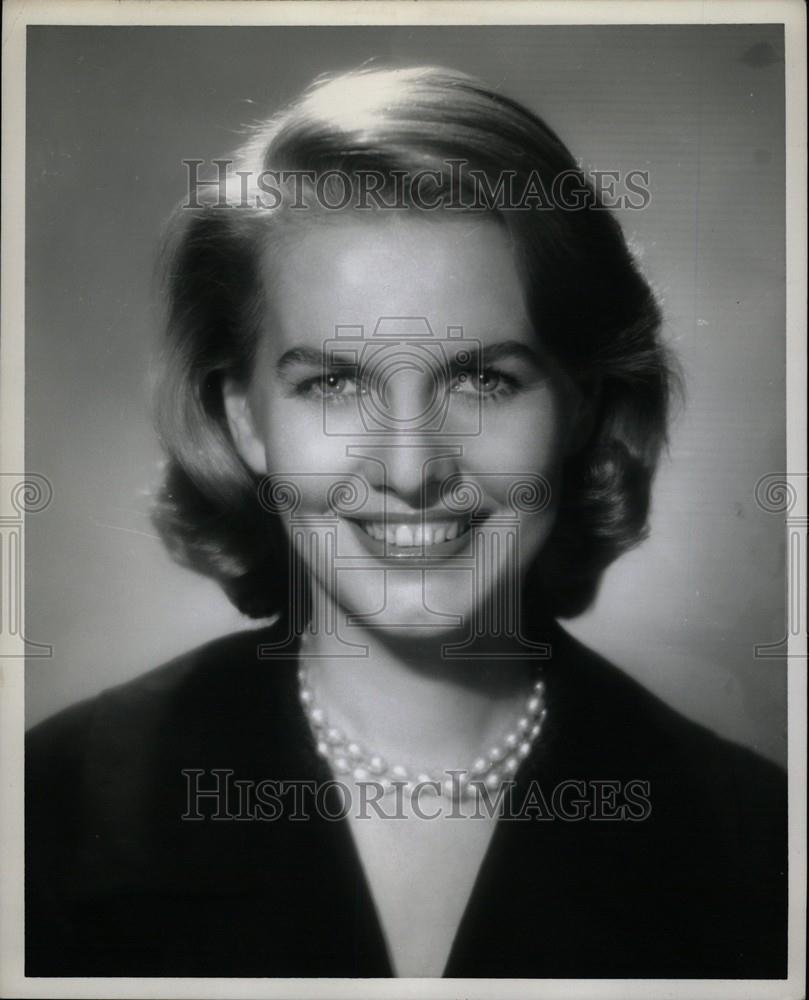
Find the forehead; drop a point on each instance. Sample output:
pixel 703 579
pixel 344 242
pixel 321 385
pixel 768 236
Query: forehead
pixel 349 271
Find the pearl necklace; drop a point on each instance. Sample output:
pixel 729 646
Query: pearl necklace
pixel 500 763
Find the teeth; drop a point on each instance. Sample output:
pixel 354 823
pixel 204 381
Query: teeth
pixel 402 536
pixel 414 535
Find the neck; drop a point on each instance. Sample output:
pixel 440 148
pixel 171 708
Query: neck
pixel 402 697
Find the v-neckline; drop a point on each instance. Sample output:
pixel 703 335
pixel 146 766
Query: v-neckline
pixel 495 856
pixel 467 913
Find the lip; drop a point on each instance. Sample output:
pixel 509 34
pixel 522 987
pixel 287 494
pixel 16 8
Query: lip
pixel 420 553
pixel 419 517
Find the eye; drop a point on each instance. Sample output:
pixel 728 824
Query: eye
pixel 331 387
pixel 488 383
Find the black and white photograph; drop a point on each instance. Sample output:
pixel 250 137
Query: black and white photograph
pixel 404 499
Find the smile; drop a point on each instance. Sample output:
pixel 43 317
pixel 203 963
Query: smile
pixel 402 536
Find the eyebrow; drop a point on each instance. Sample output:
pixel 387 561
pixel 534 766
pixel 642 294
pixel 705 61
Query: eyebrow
pixel 299 356
pixel 512 349
pixel 312 357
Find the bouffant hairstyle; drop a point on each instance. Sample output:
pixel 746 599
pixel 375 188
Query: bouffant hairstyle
pixel 585 295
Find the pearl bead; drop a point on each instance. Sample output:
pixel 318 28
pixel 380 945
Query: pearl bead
pixel 377 765
pixel 317 717
pixel 351 757
pixel 468 789
pixel 457 785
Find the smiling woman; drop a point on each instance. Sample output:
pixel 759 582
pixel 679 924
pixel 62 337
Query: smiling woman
pixel 411 438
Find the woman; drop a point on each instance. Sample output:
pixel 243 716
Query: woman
pixel 412 397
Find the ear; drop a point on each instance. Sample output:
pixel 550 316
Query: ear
pixel 587 403
pixel 249 443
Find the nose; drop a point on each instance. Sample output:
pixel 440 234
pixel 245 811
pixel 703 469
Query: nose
pixel 411 457
pixel 411 472
pixel 406 392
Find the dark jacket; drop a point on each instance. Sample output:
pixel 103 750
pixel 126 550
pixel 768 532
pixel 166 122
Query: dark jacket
pixel 118 883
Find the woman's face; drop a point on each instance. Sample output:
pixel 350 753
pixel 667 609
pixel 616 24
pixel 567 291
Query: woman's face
pixel 398 359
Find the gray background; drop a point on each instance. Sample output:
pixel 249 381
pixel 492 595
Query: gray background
pixel 111 114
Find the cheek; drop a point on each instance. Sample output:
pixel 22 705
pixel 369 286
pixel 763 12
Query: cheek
pixel 295 440
pixel 300 453
pixel 522 439
pixel 519 457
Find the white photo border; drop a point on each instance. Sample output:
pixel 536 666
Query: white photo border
pixel 17 16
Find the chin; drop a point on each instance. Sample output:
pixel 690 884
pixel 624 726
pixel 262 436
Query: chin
pixel 418 605
pixel 407 600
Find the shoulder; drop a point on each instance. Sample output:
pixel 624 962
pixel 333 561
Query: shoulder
pixel 106 791
pixel 605 689
pixel 165 704
pixel 101 771
pixel 713 841
pixel 620 721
